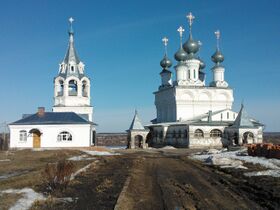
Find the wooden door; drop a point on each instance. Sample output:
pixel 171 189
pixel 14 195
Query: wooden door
pixel 36 141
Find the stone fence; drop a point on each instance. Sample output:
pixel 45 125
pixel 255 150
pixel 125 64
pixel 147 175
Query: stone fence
pixel 264 150
pixel 111 139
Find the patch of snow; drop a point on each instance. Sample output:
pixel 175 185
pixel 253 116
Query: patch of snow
pixel 99 153
pixel 12 174
pixel 116 147
pixel 168 147
pixel 5 160
pixel 228 159
pixel 29 196
pixel 84 169
pixel 223 161
pixel 44 149
pixel 274 173
pixel 80 158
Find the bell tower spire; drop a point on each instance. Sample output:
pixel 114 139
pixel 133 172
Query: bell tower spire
pixel 72 86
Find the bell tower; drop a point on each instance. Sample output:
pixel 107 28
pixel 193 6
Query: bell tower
pixel 71 85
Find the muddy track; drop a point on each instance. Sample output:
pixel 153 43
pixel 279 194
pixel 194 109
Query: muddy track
pixel 161 180
pixel 169 182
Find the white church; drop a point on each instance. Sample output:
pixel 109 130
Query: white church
pixel 70 124
pixel 191 113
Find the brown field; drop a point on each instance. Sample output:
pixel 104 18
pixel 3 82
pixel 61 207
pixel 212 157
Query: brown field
pixel 155 179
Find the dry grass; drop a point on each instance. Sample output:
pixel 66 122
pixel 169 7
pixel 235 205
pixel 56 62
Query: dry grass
pixel 57 175
pixel 9 199
pixel 27 167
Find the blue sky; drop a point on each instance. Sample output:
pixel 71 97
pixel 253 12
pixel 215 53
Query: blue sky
pixel 120 43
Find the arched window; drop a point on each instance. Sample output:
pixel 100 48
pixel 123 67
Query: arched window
pixel 84 89
pixel 23 135
pixel 72 68
pixel 248 137
pixel 60 88
pixel 215 133
pixel 73 88
pixel 198 134
pixel 64 136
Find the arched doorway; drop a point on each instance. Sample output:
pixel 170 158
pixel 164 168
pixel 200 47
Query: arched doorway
pixel 248 138
pixel 36 135
pixel 138 141
pixel 149 138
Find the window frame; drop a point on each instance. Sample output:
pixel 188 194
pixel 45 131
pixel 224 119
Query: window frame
pixel 64 136
pixel 22 135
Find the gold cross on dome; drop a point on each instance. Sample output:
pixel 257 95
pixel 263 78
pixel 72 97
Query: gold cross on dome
pixel 181 31
pixel 218 34
pixel 165 41
pixel 190 18
pixel 71 20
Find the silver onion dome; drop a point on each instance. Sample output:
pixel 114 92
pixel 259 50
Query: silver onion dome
pixel 181 55
pixel 217 57
pixel 166 62
pixel 191 46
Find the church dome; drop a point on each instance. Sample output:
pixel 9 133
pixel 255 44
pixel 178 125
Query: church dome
pixel 181 55
pixel 217 57
pixel 191 46
pixel 165 62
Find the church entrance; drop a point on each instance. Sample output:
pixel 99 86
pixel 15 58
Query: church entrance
pixel 138 141
pixel 36 134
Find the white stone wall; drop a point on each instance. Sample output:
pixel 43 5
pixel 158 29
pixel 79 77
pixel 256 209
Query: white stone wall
pixel 81 135
pixel 207 140
pixel 182 103
pixel 225 116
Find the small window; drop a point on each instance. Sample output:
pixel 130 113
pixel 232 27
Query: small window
pixel 221 116
pixel 233 115
pixel 72 68
pixel 23 135
pixel 64 136
pixel 227 115
pixel 194 74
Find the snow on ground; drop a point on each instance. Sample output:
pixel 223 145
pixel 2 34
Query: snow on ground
pixel 99 153
pixel 84 169
pixel 5 160
pixel 168 147
pixel 81 157
pixel 28 198
pixel 235 159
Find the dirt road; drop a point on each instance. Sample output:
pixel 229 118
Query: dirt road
pixel 168 180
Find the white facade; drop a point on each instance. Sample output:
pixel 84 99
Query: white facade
pixel 81 135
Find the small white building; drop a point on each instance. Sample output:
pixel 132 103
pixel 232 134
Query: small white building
pixel 137 134
pixel 71 122
pixel 191 113
pixel 51 129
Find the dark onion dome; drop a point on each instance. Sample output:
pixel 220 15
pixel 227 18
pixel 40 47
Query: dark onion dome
pixel 181 55
pixel 217 57
pixel 165 62
pixel 191 46
pixel 201 64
